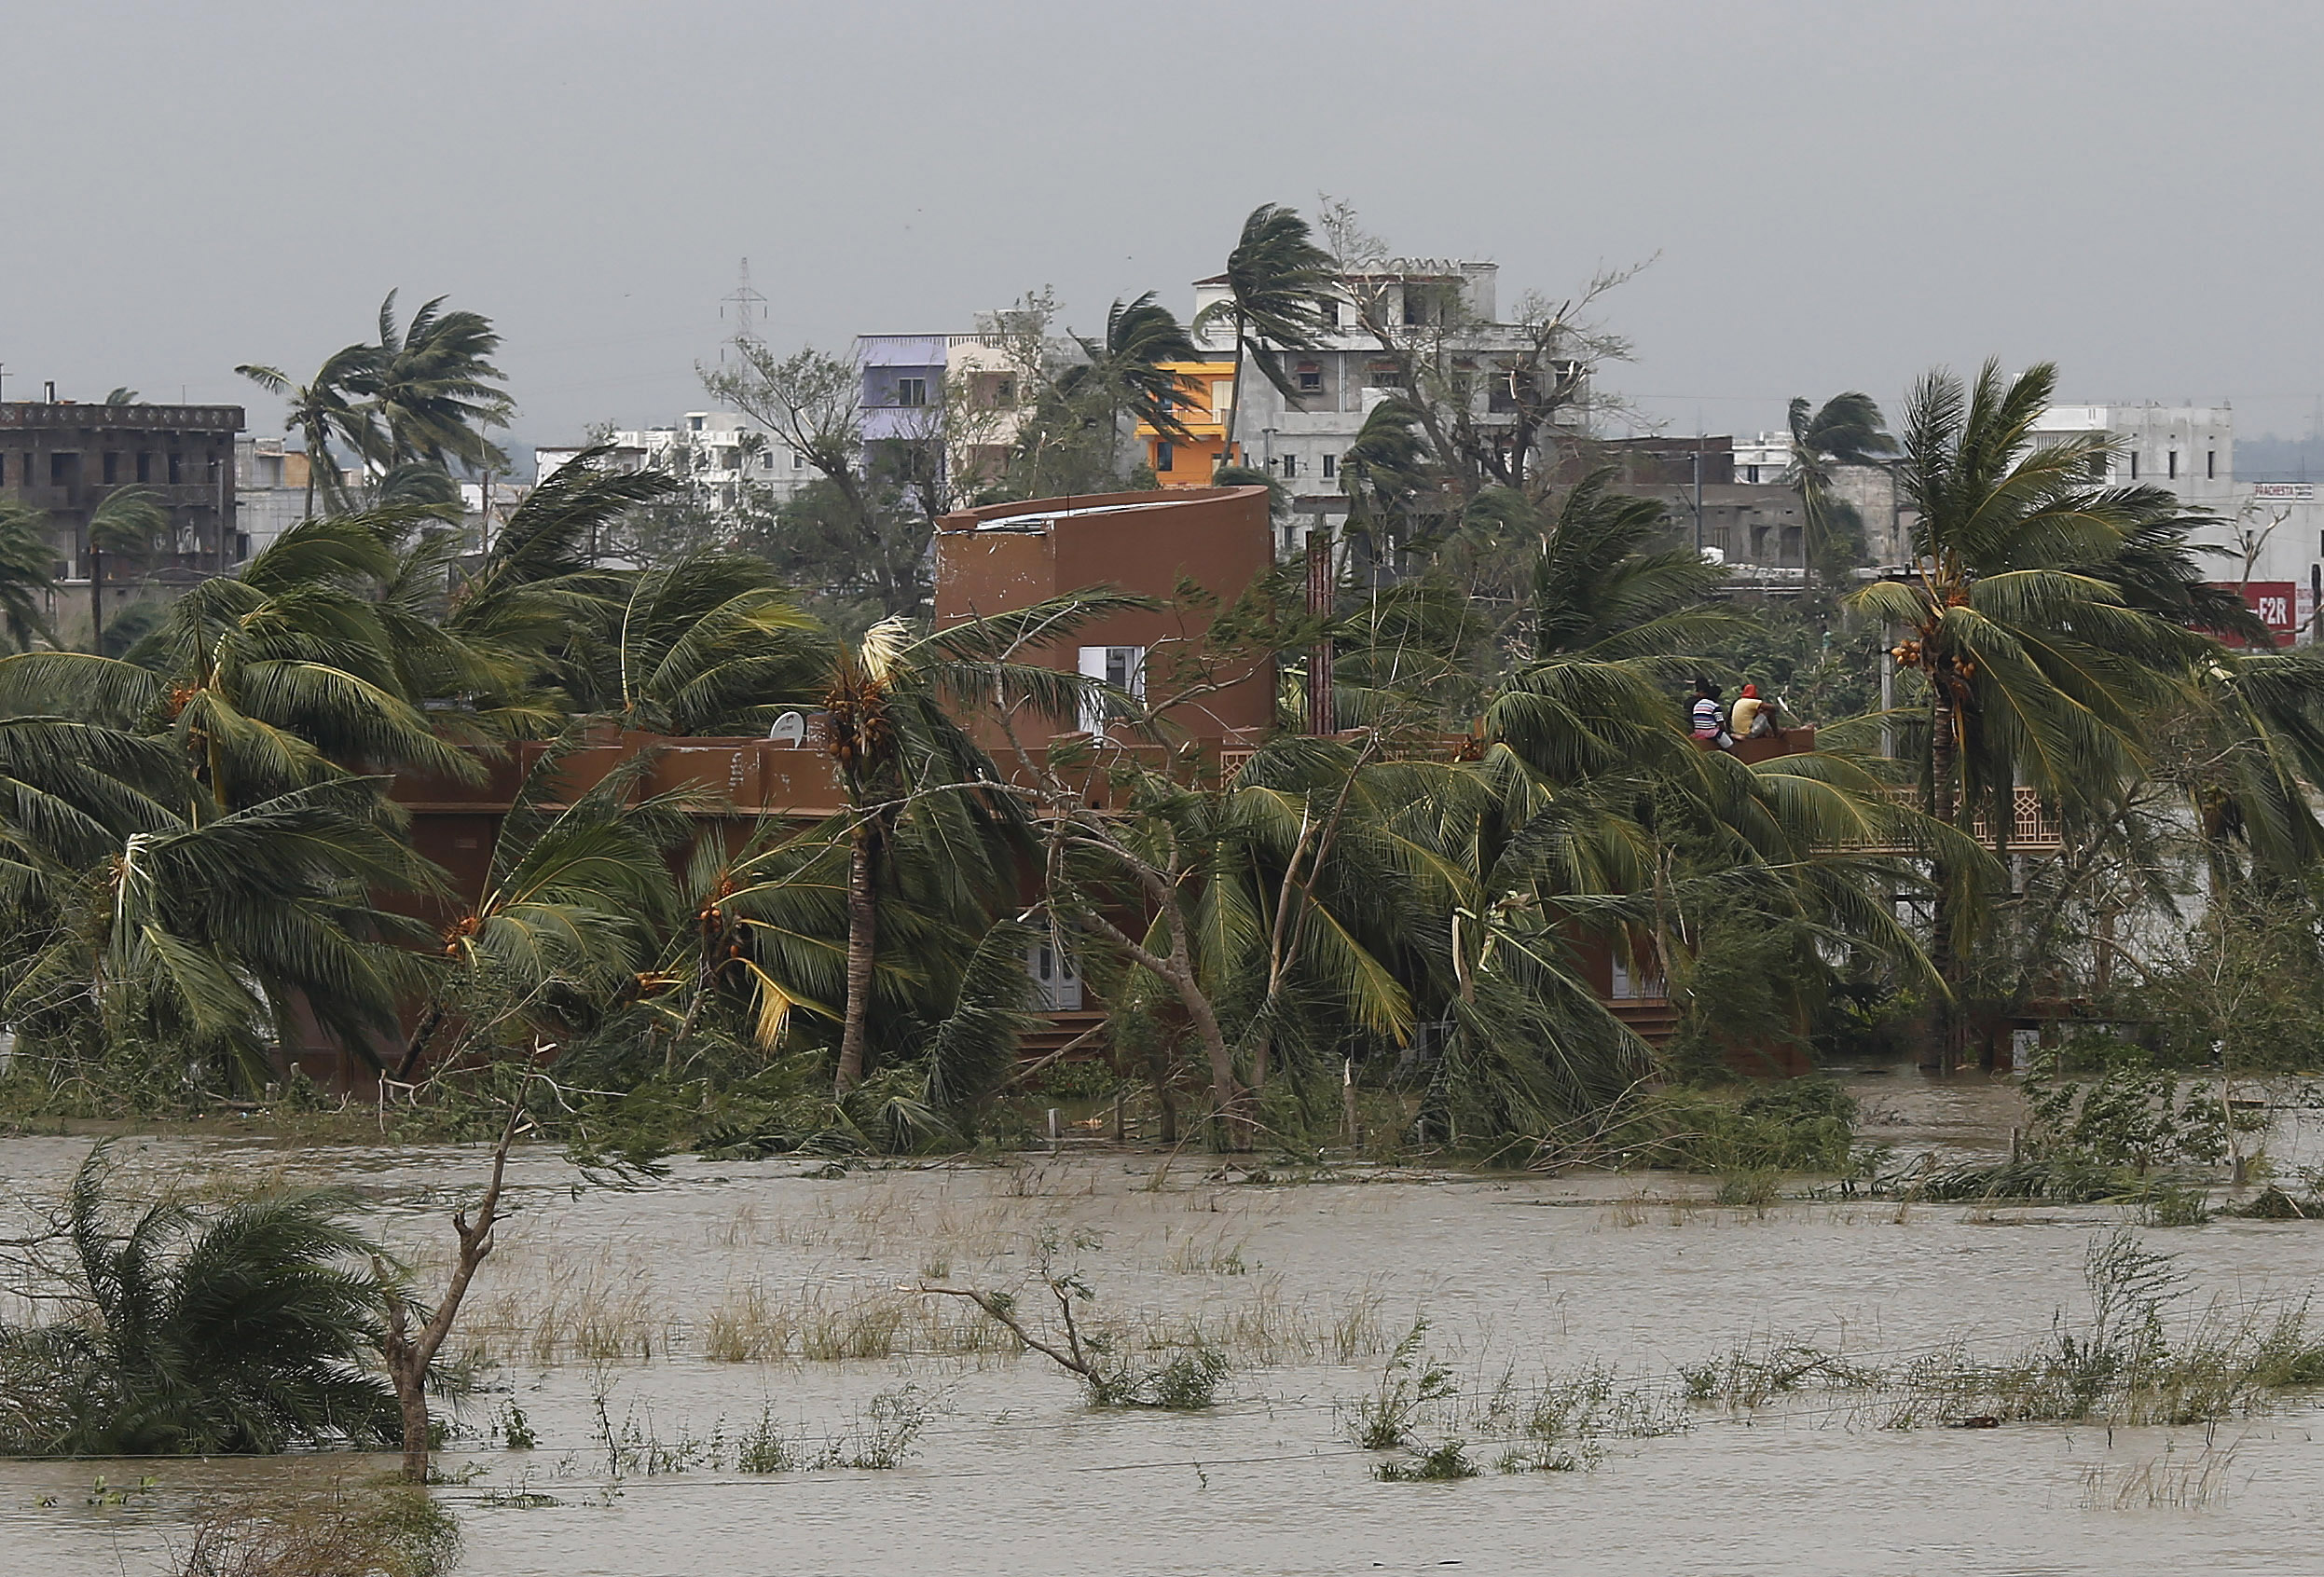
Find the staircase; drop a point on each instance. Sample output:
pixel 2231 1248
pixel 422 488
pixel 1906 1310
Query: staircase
pixel 1056 1031
pixel 1652 1018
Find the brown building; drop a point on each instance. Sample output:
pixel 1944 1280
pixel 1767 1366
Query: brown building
pixel 1006 556
pixel 64 458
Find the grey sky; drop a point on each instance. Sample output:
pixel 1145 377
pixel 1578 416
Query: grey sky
pixel 1841 194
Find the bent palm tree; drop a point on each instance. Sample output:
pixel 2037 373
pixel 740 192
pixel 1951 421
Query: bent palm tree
pixel 280 675
pixel 900 748
pixel 245 1329
pixel 321 413
pixel 27 563
pixel 2039 666
pixel 572 903
pixel 1848 429
pixel 1129 369
pixel 212 933
pixel 1277 280
pixel 434 387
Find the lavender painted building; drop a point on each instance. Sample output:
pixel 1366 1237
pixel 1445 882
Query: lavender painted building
pixel 903 384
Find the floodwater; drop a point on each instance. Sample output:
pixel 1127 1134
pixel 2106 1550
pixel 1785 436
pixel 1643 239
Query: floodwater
pixel 604 1309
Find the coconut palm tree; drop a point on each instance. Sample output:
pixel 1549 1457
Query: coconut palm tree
pixel 889 726
pixel 1128 369
pixel 207 935
pixel 1277 281
pixel 575 897
pixel 2039 667
pixel 1846 430
pixel 126 525
pixel 2036 660
pixel 540 600
pixel 713 644
pixel 280 675
pixel 27 564
pixel 434 390
pixel 321 412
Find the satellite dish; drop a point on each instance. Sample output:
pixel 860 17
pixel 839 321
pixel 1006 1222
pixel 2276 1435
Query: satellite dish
pixel 790 729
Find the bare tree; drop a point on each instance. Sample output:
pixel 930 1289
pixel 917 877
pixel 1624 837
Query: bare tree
pixel 411 1353
pixel 1489 395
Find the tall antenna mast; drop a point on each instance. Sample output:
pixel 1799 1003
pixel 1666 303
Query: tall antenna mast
pixel 746 303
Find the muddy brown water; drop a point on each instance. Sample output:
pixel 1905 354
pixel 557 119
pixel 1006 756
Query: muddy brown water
pixel 1307 1283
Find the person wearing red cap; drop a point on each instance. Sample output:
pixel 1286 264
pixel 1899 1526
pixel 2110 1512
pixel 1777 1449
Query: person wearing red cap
pixel 1749 719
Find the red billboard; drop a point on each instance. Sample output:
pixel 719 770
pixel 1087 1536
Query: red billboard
pixel 2283 606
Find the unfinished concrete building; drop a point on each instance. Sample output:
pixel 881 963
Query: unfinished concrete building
pixel 64 459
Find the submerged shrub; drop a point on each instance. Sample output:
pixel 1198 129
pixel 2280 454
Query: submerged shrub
pixel 395 1531
pixel 1188 1383
pixel 1801 1125
pixel 1440 1463
pixel 1408 1383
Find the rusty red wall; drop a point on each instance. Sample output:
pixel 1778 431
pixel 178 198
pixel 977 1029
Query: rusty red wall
pixel 1218 538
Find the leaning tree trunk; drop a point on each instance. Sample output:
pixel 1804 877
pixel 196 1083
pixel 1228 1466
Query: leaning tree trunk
pixel 1234 397
pixel 862 939
pixel 1943 752
pixel 409 1352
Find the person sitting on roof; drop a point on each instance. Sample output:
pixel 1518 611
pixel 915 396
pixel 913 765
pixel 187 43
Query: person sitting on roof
pixel 1707 719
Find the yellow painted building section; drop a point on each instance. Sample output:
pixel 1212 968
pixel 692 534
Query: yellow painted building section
pixel 1206 389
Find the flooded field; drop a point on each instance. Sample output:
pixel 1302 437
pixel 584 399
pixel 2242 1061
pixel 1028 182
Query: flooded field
pixel 654 1343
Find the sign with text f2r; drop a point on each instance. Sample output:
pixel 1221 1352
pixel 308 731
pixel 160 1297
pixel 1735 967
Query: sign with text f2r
pixel 2281 605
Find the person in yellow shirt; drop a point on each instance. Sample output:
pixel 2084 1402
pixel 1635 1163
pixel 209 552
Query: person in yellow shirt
pixel 1743 720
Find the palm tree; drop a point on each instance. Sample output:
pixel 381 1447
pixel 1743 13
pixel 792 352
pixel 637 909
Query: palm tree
pixel 281 676
pixel 540 602
pixel 2039 666
pixel 1848 430
pixel 205 936
pixel 27 578
pixel 577 892
pixel 319 413
pixel 2038 662
pixel 713 644
pixel 1277 281
pixel 899 750
pixel 434 388
pixel 249 1328
pixel 1389 474
pixel 127 524
pixel 1129 369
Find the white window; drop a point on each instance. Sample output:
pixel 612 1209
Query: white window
pixel 912 392
pixel 1331 467
pixel 1121 667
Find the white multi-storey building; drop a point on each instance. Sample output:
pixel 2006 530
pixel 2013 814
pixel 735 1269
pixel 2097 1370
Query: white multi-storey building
pixel 1431 306
pixel 720 456
pixel 2270 536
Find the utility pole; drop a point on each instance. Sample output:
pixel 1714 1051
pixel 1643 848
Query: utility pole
pixel 1699 543
pixel 1320 718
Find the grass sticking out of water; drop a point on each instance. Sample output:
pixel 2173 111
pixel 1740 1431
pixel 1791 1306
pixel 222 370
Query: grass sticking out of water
pixel 2175 1480
pixel 882 1438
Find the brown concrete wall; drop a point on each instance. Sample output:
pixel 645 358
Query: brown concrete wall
pixel 735 781
pixel 1217 537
